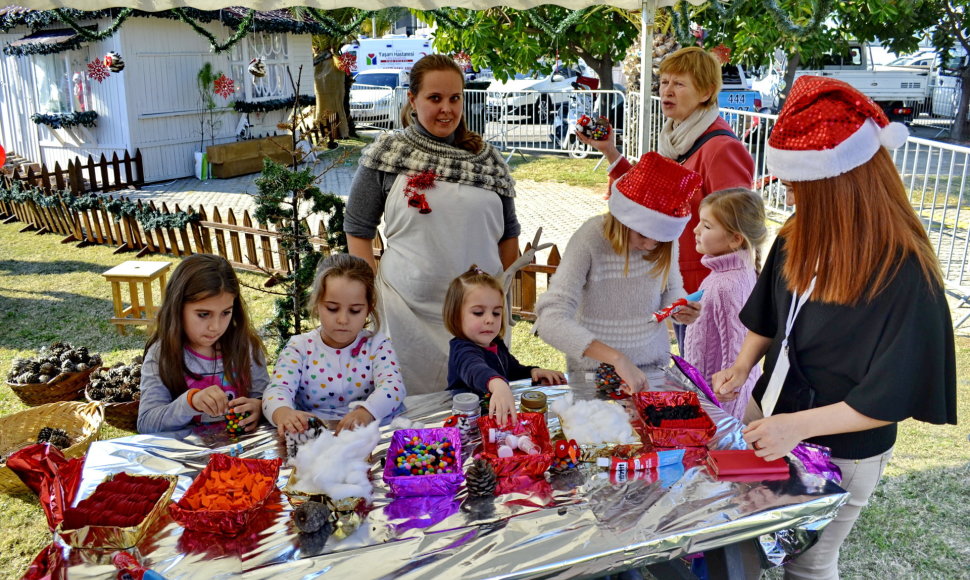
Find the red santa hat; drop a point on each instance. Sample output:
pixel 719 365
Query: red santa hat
pixel 653 198
pixel 827 128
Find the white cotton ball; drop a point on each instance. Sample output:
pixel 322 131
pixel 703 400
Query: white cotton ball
pixel 336 465
pixel 595 421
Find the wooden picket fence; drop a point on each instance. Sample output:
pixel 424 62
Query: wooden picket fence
pixel 84 177
pixel 245 244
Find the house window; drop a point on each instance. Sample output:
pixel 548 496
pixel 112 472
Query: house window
pixel 271 47
pixel 61 81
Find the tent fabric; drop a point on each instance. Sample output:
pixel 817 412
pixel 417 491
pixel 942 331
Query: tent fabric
pixel 156 5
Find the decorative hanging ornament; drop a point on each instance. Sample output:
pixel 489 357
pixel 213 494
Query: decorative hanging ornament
pixel 3 156
pixel 257 68
pixel 416 183
pixel 97 70
pixel 723 53
pixel 114 62
pixel 224 86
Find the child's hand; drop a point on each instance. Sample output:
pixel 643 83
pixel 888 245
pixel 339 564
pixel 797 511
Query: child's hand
pixel 291 420
pixel 502 403
pixel 211 400
pixel 633 378
pixel 356 418
pixel 243 405
pixel 548 377
pixel 687 313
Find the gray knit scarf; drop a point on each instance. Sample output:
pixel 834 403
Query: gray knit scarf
pixel 409 152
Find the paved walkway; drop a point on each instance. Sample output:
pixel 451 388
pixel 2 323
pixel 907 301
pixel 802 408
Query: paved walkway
pixel 557 207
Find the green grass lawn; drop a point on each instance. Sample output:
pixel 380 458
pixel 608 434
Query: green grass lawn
pixel 916 525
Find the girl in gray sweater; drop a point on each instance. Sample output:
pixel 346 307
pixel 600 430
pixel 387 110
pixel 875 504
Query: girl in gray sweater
pixel 617 270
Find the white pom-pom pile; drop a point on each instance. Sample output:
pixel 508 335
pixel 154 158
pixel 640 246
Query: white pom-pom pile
pixel 593 422
pixel 893 135
pixel 402 422
pixel 337 465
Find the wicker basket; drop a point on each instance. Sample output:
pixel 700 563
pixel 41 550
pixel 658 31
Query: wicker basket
pixel 63 387
pixel 121 415
pixel 82 421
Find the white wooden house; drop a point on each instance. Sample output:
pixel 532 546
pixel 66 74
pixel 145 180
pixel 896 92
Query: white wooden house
pixel 154 103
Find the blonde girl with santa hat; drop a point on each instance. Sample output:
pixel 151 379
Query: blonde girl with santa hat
pixel 849 312
pixel 618 268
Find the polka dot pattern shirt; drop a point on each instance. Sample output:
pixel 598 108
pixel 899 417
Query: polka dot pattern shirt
pixel 329 382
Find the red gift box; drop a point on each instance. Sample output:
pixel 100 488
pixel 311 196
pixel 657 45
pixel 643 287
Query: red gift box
pixel 531 424
pixel 675 433
pixel 229 522
pixel 745 465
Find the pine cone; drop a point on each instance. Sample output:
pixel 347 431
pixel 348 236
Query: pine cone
pixel 56 437
pixel 480 480
pixel 310 516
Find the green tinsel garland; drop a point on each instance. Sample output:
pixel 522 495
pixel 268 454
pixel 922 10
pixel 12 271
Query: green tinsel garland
pixel 563 25
pixel 149 218
pixel 242 29
pixel 89 35
pixel 40 19
pixel 271 104
pixel 444 17
pixel 332 28
pixel 62 120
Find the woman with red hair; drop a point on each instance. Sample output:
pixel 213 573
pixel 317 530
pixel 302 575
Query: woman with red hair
pixel 849 311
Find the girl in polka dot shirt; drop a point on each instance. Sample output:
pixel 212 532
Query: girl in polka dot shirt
pixel 340 370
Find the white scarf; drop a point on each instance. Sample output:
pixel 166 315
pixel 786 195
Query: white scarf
pixel 676 138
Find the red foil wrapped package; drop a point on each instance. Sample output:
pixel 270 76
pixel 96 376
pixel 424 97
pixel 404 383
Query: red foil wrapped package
pixel 531 424
pixel 430 484
pixel 695 432
pixel 227 494
pixel 54 478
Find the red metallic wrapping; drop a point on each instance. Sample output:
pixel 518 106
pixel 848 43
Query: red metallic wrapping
pixel 533 424
pixel 675 433
pixel 55 479
pixel 229 522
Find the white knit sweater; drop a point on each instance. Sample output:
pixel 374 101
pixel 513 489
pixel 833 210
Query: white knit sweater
pixel 590 298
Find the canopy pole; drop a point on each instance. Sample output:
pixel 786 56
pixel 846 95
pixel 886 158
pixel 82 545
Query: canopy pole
pixel 648 17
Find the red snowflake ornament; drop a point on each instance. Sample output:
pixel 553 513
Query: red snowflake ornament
pixel 224 86
pixel 347 62
pixel 417 183
pixel 97 70
pixel 462 59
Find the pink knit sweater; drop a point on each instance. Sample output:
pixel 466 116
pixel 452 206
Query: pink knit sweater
pixel 714 340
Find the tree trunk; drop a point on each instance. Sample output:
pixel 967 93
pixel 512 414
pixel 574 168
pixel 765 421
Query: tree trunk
pixel 793 61
pixel 328 84
pixel 959 131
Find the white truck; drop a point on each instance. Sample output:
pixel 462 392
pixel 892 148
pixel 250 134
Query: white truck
pixel 396 52
pixel 897 91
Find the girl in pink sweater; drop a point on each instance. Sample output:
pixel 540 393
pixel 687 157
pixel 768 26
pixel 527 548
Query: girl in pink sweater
pixel 729 236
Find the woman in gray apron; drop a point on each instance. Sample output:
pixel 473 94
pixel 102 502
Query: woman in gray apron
pixel 446 198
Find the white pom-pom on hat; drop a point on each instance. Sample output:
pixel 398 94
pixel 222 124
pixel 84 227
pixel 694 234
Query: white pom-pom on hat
pixel 893 135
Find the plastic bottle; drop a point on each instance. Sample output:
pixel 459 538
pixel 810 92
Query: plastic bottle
pixel 467 404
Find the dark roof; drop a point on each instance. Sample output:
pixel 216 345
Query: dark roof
pixel 47 37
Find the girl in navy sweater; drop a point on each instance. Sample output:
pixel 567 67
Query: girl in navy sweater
pixel 479 361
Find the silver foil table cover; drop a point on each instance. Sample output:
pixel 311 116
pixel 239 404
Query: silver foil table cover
pixel 573 525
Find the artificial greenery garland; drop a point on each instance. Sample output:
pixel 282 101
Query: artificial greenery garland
pixel 242 29
pixel 88 34
pixel 271 104
pixel 332 28
pixel 149 217
pixel 43 48
pixel 64 120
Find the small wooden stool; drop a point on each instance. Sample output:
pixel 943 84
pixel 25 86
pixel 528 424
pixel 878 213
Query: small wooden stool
pixel 134 273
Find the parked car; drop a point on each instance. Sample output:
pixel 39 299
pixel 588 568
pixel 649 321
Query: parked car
pixel 532 96
pixel 374 96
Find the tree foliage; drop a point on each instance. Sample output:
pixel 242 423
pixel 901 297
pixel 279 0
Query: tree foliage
pixel 953 32
pixel 805 29
pixel 512 41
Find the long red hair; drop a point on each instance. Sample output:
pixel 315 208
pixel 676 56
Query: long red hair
pixel 853 232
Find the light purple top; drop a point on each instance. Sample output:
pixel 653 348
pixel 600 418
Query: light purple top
pixel 714 340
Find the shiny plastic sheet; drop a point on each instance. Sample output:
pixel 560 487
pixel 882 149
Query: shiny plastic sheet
pixel 567 525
